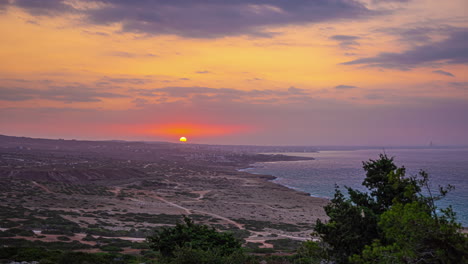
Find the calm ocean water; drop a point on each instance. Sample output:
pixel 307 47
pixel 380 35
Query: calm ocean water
pixel 318 177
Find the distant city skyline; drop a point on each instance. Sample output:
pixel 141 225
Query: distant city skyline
pixel 314 72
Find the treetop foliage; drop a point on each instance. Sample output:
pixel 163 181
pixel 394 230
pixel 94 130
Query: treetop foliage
pixel 394 222
pixel 169 241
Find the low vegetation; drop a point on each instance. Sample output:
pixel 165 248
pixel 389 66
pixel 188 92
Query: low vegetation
pixel 188 242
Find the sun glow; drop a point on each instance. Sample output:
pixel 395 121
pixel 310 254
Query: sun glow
pixel 183 139
pixel 197 130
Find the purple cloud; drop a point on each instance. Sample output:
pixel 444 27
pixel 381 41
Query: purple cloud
pixel 386 1
pixel 106 79
pixel 125 54
pixel 346 41
pixel 44 7
pixel 345 87
pixel 3 5
pixel 203 18
pixel 453 50
pixel 202 72
pixel 221 94
pixel 441 72
pixel 67 94
pixel 296 91
pixel 460 85
pixel 140 102
pixel 419 35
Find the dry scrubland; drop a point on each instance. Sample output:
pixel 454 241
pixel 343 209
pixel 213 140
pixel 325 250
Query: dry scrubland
pixel 107 196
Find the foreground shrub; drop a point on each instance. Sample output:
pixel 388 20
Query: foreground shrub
pixel 44 256
pixel 193 236
pixel 187 255
pixel 188 243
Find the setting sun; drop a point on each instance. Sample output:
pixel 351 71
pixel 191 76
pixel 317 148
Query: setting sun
pixel 183 139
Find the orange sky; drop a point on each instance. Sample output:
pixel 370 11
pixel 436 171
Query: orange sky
pixel 267 72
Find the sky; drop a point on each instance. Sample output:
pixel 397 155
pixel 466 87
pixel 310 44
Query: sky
pixel 258 72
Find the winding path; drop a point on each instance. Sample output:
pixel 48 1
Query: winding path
pixel 47 190
pixel 191 211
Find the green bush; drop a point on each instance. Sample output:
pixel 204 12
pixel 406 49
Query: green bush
pixel 89 237
pixel 6 233
pixel 8 252
pixel 45 256
pixel 311 252
pixel 63 238
pixel 20 232
pixel 29 254
pixel 188 243
pixel 111 248
pixel 284 244
pixel 187 255
pixel 193 236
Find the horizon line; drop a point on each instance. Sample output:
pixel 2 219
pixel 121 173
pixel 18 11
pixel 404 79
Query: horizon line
pixel 429 146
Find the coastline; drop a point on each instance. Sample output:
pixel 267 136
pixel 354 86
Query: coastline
pixel 404 157
pixel 272 178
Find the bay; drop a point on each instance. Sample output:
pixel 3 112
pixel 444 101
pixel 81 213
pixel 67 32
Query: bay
pixel 344 168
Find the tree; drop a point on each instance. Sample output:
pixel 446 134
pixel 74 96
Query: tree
pixel 393 222
pixel 350 227
pixel 190 238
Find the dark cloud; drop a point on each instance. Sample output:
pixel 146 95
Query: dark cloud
pixel 453 50
pixel 32 22
pixel 419 35
pixel 296 91
pixel 3 4
pixel 344 87
pixel 344 37
pixel 459 85
pixel 185 92
pixel 202 72
pixel 67 94
pixel 125 54
pixel 125 80
pixel 44 7
pixel 346 41
pixel 374 96
pixel 15 94
pixel 203 18
pixel 254 79
pixel 386 1
pixel 220 94
pixel 122 54
pixel 96 33
pixel 140 102
pixel 441 72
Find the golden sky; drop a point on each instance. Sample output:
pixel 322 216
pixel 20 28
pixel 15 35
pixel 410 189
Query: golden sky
pixel 272 72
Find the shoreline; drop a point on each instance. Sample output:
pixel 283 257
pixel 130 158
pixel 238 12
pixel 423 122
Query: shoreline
pixel 273 178
pixel 461 214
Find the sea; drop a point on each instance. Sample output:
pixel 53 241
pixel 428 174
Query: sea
pixel 344 168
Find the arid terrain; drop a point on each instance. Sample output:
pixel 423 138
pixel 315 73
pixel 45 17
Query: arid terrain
pixel 109 195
